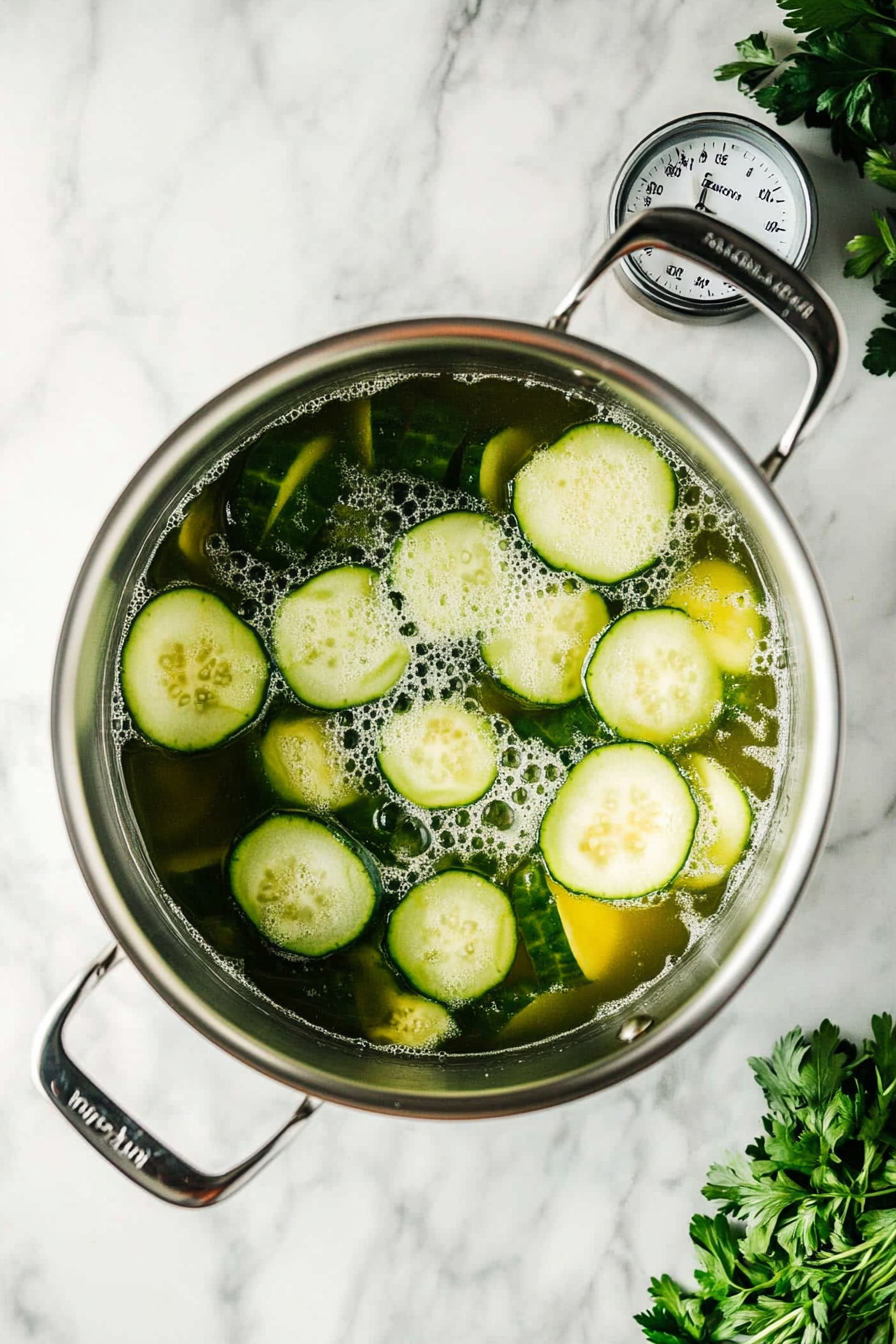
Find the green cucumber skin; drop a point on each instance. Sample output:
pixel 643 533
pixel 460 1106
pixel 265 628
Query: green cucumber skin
pixel 564 727
pixel 423 443
pixel 304 514
pixel 542 929
pixel 471 464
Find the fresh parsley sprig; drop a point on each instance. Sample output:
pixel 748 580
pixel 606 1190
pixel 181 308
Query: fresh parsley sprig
pixel 842 76
pixel 803 1250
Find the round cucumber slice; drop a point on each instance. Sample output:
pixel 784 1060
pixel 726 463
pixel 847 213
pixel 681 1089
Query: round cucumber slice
pixel 334 639
pixel 725 602
pixel 454 937
pixel 192 673
pixel 451 571
pixel 305 887
pixel 651 678
pixel 724 825
pixel 389 1015
pixel 439 755
pixel 539 652
pixel 598 502
pixel 303 761
pixel 622 824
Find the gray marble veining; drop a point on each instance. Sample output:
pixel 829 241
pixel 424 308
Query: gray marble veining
pixel 189 190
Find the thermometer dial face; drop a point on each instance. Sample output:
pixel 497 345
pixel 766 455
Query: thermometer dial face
pixel 728 168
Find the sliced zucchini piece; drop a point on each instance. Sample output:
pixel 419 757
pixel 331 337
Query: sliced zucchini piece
pixel 541 646
pixel 305 763
pixel 622 824
pixel 335 641
pixel 439 755
pixel 451 573
pixel 724 825
pixel 389 1015
pixel 419 436
pixel 725 602
pixel 598 502
pixel 542 929
pixel 285 490
pixel 490 463
pixel 192 673
pixel 305 886
pixel 454 937
pixel 651 678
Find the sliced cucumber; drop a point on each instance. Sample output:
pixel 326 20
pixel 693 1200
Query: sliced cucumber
pixel 439 755
pixel 542 929
pixel 303 885
pixel 451 572
pixel 454 937
pixel 725 602
pixel 724 825
pixel 285 490
pixel 598 502
pixel 389 1014
pixel 622 824
pixel 651 678
pixel 543 643
pixel 419 436
pixel 335 642
pixel 305 763
pixel 192 673
pixel 490 463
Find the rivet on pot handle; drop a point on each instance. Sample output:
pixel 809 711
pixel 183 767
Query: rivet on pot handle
pixel 125 1143
pixel 784 294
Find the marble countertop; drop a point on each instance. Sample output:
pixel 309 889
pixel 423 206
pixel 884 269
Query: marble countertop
pixel 190 189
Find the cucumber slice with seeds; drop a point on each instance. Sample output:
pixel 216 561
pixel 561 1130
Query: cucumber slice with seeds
pixel 304 763
pixel 450 571
pixel 307 888
pixel 621 825
pixel 539 652
pixel 192 673
pixel 598 502
pixel 454 937
pixel 652 679
pixel 439 755
pixel 335 642
pixel 724 825
pixel 390 1015
pixel 542 928
pixel 725 602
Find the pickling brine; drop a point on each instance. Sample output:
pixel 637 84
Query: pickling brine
pixel 451 712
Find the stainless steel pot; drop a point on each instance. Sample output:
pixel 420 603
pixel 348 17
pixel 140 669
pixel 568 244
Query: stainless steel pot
pixel 112 856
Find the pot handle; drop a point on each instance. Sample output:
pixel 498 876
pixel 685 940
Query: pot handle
pixel 787 296
pixel 120 1139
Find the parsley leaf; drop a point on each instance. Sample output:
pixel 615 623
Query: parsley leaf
pixel 756 64
pixel 816 1261
pixel 880 350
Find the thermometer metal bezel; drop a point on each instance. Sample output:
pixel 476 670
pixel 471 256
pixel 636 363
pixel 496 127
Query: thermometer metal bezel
pixel 652 295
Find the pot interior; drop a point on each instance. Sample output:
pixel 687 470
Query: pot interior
pixel 167 948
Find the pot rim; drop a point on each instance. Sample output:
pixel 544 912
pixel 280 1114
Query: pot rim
pixel 590 361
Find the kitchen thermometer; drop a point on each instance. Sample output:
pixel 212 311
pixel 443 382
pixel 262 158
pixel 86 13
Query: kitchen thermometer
pixel 731 169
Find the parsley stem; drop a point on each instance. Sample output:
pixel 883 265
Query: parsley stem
pixel 775 1326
